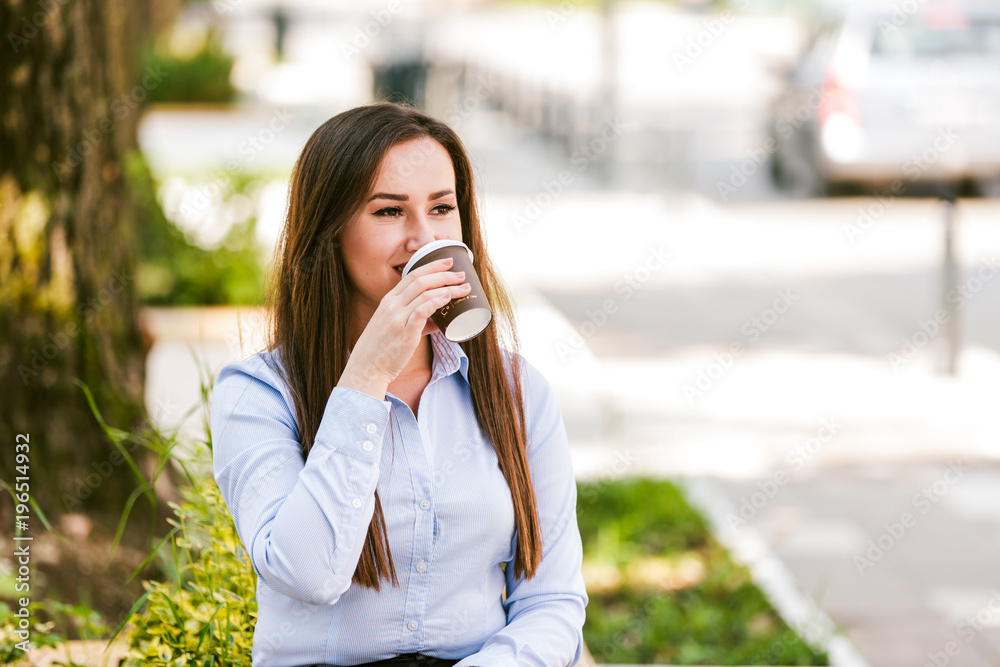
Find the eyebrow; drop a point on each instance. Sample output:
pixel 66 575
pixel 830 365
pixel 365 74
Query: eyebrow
pixel 386 195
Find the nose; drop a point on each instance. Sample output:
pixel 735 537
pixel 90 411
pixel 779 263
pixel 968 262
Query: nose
pixel 419 232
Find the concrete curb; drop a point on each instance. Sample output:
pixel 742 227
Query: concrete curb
pixel 750 549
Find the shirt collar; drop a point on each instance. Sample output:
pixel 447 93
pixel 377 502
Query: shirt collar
pixel 448 357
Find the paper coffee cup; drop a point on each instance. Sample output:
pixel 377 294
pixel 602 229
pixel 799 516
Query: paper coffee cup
pixel 466 316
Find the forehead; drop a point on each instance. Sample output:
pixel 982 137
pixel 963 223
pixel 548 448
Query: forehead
pixel 418 165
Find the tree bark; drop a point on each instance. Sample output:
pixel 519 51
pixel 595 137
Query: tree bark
pixel 72 90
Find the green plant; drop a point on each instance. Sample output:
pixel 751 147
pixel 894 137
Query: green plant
pixel 202 76
pixel 78 619
pixel 206 615
pixel 174 271
pixel 11 644
pixel 662 590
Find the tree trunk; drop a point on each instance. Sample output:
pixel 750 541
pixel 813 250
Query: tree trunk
pixel 72 89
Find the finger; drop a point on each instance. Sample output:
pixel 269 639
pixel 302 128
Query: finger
pixel 429 282
pixel 431 300
pixel 427 304
pixel 432 267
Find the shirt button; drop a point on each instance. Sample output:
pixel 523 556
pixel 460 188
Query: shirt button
pixel 412 625
pixel 425 504
pixel 356 502
pixel 371 428
pixel 421 566
pixel 367 445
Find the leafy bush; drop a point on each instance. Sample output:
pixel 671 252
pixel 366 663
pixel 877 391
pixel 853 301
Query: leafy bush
pixel 173 271
pixel 78 619
pixel 200 77
pixel 662 590
pixel 206 615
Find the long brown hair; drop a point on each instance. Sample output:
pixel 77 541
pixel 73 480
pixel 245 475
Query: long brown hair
pixel 310 309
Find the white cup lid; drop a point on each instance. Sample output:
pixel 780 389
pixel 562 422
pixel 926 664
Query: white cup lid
pixel 431 247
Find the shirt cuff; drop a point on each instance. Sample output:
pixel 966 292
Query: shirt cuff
pixel 353 422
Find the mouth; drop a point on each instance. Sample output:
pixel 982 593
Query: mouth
pixel 399 269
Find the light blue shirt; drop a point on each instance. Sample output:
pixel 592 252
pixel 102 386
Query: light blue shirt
pixel 448 512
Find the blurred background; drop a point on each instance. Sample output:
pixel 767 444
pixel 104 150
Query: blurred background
pixel 753 245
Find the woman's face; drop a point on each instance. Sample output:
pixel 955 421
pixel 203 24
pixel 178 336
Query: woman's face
pixel 412 204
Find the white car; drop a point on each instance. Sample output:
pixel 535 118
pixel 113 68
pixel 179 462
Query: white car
pixel 889 95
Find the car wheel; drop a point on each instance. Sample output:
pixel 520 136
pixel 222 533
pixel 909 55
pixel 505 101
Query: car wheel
pixel 798 178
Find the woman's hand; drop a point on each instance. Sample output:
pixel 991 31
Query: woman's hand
pixel 394 330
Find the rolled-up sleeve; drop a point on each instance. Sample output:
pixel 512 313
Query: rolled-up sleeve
pixel 303 523
pixel 545 614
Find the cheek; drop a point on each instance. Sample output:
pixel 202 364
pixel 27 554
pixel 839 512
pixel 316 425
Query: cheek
pixel 374 248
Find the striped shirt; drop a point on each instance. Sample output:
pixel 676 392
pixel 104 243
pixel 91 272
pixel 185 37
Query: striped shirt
pixel 448 512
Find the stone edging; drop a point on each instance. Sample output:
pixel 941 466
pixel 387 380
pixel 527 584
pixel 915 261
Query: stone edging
pixel 749 548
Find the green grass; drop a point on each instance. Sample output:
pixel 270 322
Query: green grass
pixel 662 590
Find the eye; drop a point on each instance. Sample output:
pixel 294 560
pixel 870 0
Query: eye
pixel 445 208
pixel 389 212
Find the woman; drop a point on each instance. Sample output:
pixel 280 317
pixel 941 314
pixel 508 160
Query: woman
pixel 399 494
